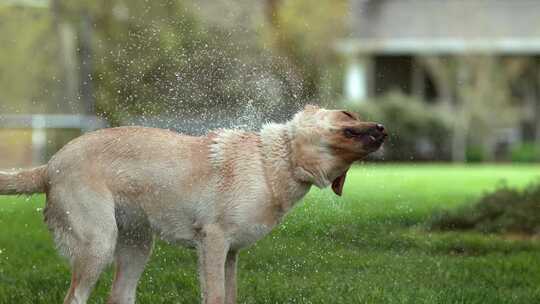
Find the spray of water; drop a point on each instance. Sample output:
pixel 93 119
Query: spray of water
pixel 194 73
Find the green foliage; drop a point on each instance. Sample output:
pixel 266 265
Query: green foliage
pixel 475 154
pixel 140 55
pixel 353 249
pixel 504 210
pixel 159 58
pixel 149 58
pixel 28 51
pixel 418 131
pixel 525 153
pixel 305 34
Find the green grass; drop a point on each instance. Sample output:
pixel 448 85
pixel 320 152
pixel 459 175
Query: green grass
pixel 367 247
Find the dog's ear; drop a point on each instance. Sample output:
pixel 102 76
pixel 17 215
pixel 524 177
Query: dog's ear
pixel 311 108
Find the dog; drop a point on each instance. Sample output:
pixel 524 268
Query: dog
pixel 111 192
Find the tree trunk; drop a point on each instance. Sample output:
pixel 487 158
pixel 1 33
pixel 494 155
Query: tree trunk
pixel 460 134
pixel 461 114
pixel 85 57
pixel 272 8
pixel 301 83
pixel 537 108
pixel 66 57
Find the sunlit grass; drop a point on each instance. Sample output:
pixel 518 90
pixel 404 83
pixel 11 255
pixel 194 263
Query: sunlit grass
pixel 366 247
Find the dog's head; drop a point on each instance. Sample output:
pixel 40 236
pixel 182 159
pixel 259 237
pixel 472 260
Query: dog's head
pixel 326 143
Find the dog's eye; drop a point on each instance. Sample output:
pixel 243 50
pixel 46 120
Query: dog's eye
pixel 348 114
pixel 349 133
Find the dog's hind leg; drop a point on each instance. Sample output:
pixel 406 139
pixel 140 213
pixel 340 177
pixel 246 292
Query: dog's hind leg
pixel 132 252
pixel 84 229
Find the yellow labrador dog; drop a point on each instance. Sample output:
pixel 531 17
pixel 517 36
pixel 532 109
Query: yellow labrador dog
pixel 109 192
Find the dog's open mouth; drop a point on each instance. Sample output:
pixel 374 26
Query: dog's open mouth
pixel 373 142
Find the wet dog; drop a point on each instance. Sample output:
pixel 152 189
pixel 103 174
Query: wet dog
pixel 110 192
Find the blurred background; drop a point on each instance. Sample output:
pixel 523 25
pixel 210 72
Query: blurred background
pixel 447 212
pixel 453 80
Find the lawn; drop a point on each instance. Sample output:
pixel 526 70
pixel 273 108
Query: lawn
pixel 366 247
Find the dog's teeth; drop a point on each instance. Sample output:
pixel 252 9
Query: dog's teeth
pixel 371 137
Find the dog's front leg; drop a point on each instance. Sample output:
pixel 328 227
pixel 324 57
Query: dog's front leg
pixel 212 254
pixel 230 277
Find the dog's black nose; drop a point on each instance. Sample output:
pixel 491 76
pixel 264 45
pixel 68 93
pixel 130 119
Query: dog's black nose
pixel 379 128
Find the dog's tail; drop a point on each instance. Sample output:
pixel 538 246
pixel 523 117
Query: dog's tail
pixel 26 181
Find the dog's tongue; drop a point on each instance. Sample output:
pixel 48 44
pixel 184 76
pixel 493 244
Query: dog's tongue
pixel 337 184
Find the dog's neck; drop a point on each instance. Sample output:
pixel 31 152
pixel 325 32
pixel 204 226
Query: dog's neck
pixel 314 162
pixel 281 172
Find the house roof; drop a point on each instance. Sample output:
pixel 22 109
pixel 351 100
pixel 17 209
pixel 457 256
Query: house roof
pixel 444 26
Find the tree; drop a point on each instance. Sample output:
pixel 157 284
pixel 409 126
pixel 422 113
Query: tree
pixel 159 58
pixel 476 88
pixel 28 80
pixel 304 34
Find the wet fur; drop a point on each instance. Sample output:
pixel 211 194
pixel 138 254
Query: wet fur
pixel 111 191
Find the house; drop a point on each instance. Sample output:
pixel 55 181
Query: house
pixel 390 40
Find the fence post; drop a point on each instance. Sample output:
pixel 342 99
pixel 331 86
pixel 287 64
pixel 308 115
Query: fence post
pixel 39 139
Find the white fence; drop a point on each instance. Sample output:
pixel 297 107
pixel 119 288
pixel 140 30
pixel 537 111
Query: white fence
pixel 41 122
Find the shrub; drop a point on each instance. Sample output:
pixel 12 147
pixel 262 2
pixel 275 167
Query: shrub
pixel 503 210
pixel 417 130
pixel 525 153
pixel 475 154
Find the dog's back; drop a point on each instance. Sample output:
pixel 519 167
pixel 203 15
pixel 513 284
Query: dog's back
pixel 109 191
